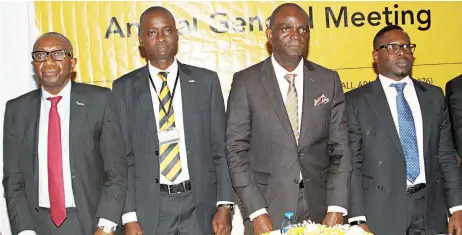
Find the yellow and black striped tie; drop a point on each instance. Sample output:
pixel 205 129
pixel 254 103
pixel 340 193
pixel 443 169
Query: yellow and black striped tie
pixel 292 104
pixel 170 164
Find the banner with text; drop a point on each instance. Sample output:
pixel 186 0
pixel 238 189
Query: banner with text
pixel 229 36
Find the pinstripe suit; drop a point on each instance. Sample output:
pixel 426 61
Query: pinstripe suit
pixel 263 156
pixel 204 127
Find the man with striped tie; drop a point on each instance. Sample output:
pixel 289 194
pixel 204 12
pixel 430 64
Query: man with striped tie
pixel 403 154
pixel 174 120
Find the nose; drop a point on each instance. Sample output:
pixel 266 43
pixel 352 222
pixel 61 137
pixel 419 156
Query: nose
pixel 49 60
pixel 160 36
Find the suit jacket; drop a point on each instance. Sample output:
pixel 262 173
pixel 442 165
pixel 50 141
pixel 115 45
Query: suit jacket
pixel 96 151
pixel 454 101
pixel 378 182
pixel 204 127
pixel 263 156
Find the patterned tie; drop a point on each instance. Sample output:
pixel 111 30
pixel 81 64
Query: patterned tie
pixel 407 133
pixel 55 165
pixel 292 104
pixel 170 164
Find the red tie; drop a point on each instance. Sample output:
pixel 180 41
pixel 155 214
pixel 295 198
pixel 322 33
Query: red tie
pixel 55 165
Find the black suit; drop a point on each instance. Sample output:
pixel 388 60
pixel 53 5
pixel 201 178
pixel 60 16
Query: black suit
pixel 96 151
pixel 204 128
pixel 454 99
pixel 378 183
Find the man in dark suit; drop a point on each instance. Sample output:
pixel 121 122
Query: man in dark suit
pixel 287 136
pixel 403 155
pixel 454 100
pixel 175 121
pixel 64 156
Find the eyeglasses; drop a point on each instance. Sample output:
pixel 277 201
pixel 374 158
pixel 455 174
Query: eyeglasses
pixel 394 48
pixel 57 55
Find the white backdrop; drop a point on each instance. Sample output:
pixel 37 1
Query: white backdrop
pixel 15 69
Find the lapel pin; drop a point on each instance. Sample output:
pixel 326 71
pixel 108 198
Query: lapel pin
pixel 80 104
pixel 192 81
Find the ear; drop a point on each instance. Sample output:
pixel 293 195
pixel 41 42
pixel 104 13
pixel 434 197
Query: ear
pixel 269 35
pixel 375 56
pixel 73 62
pixel 140 41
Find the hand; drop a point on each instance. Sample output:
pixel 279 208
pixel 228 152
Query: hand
pixel 365 228
pixel 262 224
pixel 133 228
pixel 333 218
pixel 100 232
pixel 455 224
pixel 221 223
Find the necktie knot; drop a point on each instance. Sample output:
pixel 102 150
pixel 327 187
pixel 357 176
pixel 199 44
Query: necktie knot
pixel 290 77
pixel 163 76
pixel 399 87
pixel 54 100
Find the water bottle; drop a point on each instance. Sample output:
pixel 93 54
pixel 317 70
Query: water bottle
pixel 288 222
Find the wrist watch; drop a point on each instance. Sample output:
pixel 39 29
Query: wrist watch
pixel 108 229
pixel 229 207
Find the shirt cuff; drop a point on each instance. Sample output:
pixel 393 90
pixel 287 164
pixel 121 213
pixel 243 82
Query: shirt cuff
pixel 257 213
pixel 129 217
pixel 455 208
pixel 106 223
pixel 225 203
pixel 357 218
pixel 337 209
pixel 27 232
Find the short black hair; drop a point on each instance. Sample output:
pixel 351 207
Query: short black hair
pixel 383 31
pixel 156 9
pixel 58 35
pixel 270 22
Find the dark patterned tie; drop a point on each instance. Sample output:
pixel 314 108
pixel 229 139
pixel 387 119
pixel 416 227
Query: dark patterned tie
pixel 407 133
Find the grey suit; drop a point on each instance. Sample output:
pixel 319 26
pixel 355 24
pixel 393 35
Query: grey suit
pixel 263 156
pixel 204 128
pixel 378 182
pixel 97 159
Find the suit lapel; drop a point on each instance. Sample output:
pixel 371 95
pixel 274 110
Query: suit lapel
pixel 379 105
pixel 427 114
pixel 271 86
pixel 145 99
pixel 32 132
pixel 187 97
pixel 77 119
pixel 309 86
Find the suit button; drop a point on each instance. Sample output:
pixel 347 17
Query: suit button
pixel 36 209
pixel 157 180
pixel 368 132
pixel 437 180
pixel 436 156
pixel 156 153
pixel 441 127
pixel 379 163
pixel 296 181
pixel 380 187
pixel 299 154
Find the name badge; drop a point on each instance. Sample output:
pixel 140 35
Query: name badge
pixel 169 136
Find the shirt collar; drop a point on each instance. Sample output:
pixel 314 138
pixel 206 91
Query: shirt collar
pixel 172 70
pixel 386 82
pixel 65 92
pixel 281 71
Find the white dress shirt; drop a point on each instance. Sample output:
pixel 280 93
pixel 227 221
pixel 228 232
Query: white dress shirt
pixel 411 97
pixel 172 72
pixel 64 114
pixel 284 88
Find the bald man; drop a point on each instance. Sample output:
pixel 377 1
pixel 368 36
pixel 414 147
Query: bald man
pixel 64 157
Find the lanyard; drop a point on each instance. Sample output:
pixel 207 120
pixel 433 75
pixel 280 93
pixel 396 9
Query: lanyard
pixel 173 93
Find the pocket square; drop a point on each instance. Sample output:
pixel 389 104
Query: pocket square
pixel 321 100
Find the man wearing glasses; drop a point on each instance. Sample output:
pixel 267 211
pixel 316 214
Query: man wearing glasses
pixel 64 156
pixel 403 155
